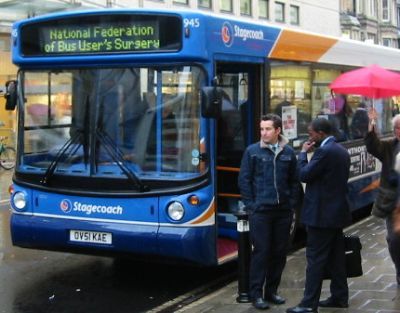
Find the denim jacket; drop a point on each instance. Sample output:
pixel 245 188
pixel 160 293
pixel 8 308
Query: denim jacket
pixel 268 180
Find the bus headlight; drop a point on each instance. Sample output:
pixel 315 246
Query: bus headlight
pixel 175 211
pixel 19 200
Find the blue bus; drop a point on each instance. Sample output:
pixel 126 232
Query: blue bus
pixel 132 125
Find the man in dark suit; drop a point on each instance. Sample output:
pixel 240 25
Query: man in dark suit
pixel 325 214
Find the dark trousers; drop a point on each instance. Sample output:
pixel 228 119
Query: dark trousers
pixel 325 251
pixel 393 241
pixel 269 234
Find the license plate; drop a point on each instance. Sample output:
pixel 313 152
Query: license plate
pixel 90 236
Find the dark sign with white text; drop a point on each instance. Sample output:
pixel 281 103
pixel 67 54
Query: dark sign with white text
pixel 103 34
pixel 361 162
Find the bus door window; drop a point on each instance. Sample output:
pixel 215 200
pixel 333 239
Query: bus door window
pixel 231 137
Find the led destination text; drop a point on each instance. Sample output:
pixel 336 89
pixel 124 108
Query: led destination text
pixel 95 39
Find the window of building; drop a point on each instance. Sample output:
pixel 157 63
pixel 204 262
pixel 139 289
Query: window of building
pixel 226 6
pixel 372 8
pixel 353 9
pixel 361 6
pixel 371 38
pixel 385 10
pixel 245 7
pixel 279 12
pixel 206 4
pixel 186 2
pixel 263 9
pixel 355 34
pixel 398 14
pixel 387 42
pixel 294 15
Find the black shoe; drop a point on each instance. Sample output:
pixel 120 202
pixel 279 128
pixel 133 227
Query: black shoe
pixel 300 309
pixel 260 304
pixel 274 298
pixel 332 303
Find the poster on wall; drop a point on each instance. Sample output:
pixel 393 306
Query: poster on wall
pixel 299 89
pixel 289 121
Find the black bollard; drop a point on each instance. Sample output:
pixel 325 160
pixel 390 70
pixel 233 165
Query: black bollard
pixel 244 250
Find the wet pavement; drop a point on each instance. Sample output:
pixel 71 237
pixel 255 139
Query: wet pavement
pixel 5 181
pixel 376 291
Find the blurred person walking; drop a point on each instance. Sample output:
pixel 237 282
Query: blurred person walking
pixel 386 152
pixel 325 214
pixel 269 188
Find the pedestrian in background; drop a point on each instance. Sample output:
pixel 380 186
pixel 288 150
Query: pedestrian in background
pixel 269 188
pixel 386 152
pixel 325 213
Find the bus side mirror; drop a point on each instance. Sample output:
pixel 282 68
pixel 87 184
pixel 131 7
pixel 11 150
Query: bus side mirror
pixel 11 95
pixel 211 102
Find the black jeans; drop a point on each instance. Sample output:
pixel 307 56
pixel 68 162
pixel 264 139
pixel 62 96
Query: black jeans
pixel 269 234
pixel 393 241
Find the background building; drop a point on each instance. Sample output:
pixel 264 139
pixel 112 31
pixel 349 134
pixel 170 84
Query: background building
pixel 373 21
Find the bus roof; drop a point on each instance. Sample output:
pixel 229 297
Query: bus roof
pixel 204 37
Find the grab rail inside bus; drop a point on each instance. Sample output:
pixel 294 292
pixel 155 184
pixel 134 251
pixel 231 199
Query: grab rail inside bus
pixel 228 169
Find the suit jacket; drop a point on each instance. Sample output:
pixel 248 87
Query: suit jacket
pixel 326 197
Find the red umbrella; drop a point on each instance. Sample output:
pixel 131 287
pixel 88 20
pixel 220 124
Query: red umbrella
pixel 371 81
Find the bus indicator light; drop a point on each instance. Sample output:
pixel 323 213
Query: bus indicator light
pixel 194 200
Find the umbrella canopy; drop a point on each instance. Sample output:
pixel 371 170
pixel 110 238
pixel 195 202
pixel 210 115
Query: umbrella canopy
pixel 371 81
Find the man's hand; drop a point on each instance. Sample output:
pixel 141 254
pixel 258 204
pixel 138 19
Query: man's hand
pixel 373 116
pixel 307 146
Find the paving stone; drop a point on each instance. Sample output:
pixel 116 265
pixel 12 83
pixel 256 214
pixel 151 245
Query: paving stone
pixel 376 291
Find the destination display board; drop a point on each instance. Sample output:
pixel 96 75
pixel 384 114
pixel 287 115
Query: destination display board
pixel 102 34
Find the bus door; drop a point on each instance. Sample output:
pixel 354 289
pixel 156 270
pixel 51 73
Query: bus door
pixel 241 85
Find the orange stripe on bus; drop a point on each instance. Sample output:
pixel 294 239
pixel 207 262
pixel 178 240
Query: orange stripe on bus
pixel 206 216
pixel 374 185
pixel 292 45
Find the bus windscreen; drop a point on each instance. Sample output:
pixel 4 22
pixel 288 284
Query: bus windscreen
pixel 102 34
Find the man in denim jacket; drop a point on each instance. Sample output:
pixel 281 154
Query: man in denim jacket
pixel 269 188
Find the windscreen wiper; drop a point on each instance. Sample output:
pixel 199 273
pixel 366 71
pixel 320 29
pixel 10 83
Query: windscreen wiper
pixel 53 165
pixel 118 158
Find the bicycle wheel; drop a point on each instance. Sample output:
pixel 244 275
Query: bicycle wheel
pixel 7 158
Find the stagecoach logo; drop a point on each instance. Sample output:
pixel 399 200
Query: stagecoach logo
pixel 227 34
pixel 88 208
pixel 66 206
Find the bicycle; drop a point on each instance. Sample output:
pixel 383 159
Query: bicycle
pixel 7 155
